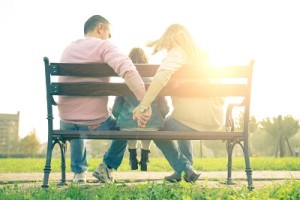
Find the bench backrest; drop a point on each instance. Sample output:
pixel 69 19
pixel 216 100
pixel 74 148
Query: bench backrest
pixel 231 81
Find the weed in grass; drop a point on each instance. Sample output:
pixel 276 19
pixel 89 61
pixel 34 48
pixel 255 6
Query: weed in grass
pixel 290 190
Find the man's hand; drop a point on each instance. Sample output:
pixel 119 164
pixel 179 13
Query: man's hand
pixel 141 117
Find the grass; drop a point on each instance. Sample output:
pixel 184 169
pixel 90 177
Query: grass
pixel 152 191
pixel 290 189
pixel 156 164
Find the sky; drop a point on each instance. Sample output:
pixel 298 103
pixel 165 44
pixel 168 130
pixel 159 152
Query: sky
pixel 233 32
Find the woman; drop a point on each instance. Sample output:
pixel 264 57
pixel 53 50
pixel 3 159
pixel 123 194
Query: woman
pixel 194 114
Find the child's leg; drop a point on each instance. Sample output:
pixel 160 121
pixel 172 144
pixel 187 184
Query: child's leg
pixel 133 162
pixel 146 144
pixel 132 144
pixel 145 154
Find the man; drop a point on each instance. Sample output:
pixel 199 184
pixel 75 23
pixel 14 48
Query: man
pixel 92 113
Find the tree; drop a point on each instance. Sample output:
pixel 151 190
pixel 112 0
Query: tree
pixel 30 144
pixel 279 130
pixel 252 125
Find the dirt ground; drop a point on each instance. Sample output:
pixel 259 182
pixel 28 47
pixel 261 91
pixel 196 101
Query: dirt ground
pixel 214 179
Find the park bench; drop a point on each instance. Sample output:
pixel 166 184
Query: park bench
pixel 233 82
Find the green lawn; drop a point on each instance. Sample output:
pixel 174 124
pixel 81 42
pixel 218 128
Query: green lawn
pixel 156 164
pixel 152 190
pixel 289 190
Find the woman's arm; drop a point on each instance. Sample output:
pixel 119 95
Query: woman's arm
pixel 173 61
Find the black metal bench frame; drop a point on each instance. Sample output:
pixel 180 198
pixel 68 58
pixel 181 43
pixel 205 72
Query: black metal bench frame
pixel 185 82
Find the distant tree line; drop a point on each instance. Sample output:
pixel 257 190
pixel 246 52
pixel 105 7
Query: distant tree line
pixel 28 146
pixel 275 137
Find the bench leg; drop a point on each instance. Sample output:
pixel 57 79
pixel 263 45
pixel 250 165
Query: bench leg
pixel 63 148
pixel 47 168
pixel 230 146
pixel 248 169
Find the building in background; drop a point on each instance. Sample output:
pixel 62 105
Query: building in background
pixel 9 133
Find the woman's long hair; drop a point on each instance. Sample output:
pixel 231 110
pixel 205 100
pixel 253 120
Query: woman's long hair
pixel 177 35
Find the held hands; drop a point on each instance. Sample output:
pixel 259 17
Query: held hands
pixel 142 114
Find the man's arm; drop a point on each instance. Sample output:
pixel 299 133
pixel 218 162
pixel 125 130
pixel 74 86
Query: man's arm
pixel 124 67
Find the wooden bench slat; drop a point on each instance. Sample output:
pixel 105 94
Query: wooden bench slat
pixel 145 70
pixel 170 135
pixel 121 89
pixel 95 69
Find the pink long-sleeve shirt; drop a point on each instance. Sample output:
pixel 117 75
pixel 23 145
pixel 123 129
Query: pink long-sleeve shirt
pixel 94 110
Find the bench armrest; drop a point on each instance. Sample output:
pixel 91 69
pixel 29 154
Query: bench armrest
pixel 229 122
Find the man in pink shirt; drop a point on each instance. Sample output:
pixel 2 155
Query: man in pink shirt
pixel 87 113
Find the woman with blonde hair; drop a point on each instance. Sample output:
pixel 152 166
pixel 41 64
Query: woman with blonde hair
pixel 192 114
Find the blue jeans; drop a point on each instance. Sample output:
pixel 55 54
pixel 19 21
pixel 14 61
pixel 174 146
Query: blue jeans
pixel 78 150
pixel 175 154
pixel 184 146
pixel 114 155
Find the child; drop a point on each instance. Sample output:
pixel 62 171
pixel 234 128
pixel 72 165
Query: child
pixel 122 110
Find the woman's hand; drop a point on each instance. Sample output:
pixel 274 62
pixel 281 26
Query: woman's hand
pixel 142 115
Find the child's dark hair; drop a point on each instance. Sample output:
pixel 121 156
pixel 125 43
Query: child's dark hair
pixel 138 55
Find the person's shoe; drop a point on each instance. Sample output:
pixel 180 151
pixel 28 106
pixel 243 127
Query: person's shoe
pixel 144 166
pixel 79 177
pixel 133 162
pixel 191 176
pixel 144 159
pixel 173 178
pixel 103 174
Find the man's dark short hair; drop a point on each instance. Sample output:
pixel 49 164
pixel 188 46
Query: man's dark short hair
pixel 92 22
